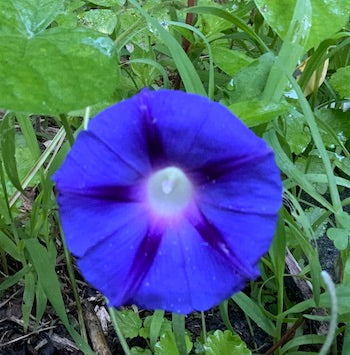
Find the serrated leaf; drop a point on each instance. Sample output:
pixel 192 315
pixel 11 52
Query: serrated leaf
pixel 167 344
pixel 340 80
pixel 225 343
pixel 55 71
pixel 230 61
pixel 145 330
pixel 101 20
pixel 328 17
pixel 129 322
pixel 339 236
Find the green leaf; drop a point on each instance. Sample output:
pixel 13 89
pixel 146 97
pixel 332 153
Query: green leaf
pixel 13 279
pixel 129 322
pixel 8 150
pixel 340 237
pixel 342 293
pixel 297 134
pixel 28 298
pixel 335 126
pixel 250 81
pixel 253 311
pixel 255 112
pixel 340 80
pixel 225 343
pixel 9 246
pixel 145 331
pixel 230 61
pixel 28 17
pixel 136 350
pixel 328 17
pixel 44 261
pixel 184 65
pixel 167 344
pixel 101 20
pixel 53 71
pixel 108 3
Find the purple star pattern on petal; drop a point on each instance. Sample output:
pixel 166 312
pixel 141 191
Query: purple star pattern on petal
pixel 168 201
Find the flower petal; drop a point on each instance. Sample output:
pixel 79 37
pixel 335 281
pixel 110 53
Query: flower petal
pixel 93 163
pixel 89 221
pixel 110 266
pixel 253 186
pixel 187 274
pixel 195 131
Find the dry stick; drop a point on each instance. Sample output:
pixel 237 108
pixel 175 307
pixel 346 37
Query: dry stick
pixel 94 328
pixel 286 337
pixel 305 288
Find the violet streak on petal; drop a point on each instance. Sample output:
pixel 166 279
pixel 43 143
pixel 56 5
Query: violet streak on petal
pixel 168 201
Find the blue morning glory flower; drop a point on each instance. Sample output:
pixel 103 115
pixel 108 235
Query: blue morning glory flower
pixel 168 201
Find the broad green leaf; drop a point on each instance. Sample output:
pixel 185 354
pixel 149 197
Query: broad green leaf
pixel 101 20
pixel 291 50
pixel 28 17
pixel 334 126
pixel 230 61
pixel 255 112
pixel 297 134
pixel 250 81
pixel 211 24
pixel 328 17
pixel 225 343
pixel 54 71
pixel 340 80
pixel 129 322
pixel 167 344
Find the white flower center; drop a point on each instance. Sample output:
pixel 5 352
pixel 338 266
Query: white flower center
pixel 169 191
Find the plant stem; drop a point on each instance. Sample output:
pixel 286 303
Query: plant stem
pixel 67 128
pixel 179 332
pixel 120 335
pixel 74 286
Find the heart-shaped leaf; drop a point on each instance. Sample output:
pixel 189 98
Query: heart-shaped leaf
pixel 328 17
pixel 51 71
